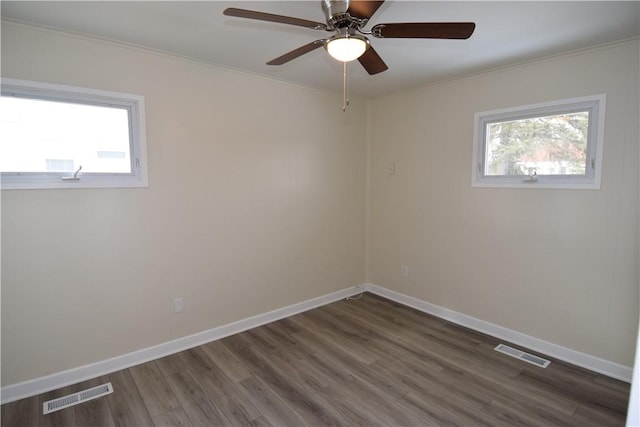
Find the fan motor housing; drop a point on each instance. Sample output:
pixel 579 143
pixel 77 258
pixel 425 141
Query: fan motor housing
pixel 336 12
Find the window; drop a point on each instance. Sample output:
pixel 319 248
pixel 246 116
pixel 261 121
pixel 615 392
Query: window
pixel 552 145
pixel 54 136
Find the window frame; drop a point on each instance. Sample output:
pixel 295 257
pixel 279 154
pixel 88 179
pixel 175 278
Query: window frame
pixel 595 104
pixel 134 104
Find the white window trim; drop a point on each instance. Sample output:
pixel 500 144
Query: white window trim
pixel 134 103
pixel 595 147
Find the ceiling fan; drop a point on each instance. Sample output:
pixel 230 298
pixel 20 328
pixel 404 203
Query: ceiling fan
pixel 347 18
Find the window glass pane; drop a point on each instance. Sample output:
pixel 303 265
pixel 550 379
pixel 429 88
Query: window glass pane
pixel 549 145
pixel 52 136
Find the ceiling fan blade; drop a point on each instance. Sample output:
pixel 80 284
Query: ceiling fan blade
pixel 297 52
pixel 425 30
pixel 262 16
pixel 372 62
pixel 363 9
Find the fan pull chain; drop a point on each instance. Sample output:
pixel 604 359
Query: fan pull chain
pixel 345 86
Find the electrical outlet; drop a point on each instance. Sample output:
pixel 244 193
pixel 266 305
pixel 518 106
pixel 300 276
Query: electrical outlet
pixel 404 270
pixel 178 305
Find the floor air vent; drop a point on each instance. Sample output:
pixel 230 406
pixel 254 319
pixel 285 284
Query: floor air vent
pixel 76 398
pixel 529 358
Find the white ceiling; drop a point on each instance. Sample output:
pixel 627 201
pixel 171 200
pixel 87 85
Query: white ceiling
pixel 506 32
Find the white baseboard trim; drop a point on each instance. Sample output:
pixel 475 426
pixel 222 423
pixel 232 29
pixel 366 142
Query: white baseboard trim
pixel 611 369
pixel 36 386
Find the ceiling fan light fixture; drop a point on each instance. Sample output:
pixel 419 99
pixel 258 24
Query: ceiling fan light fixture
pixel 347 47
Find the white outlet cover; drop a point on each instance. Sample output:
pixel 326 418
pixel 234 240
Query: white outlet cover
pixel 404 270
pixel 178 305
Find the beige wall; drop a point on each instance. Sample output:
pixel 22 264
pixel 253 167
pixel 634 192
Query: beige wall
pixel 560 265
pixel 255 202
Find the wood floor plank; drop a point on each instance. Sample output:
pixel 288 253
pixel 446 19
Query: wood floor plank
pixel 510 416
pixel 392 312
pixel 528 413
pixel 355 349
pixel 309 376
pixel 170 364
pixel 272 407
pixel 608 383
pixel 372 397
pixel 461 358
pixel 467 382
pixel 355 399
pixel 336 320
pixel 194 400
pixel 517 390
pixel 23 412
pixel 154 389
pixel 227 361
pixel 353 410
pixel 174 418
pixel 283 338
pixel 126 404
pixel 261 422
pixel 95 413
pixel 264 340
pixel 586 392
pixel 290 390
pixel 406 318
pixel 286 325
pixel 589 417
pixel 392 387
pixel 385 344
pixel 426 382
pixel 412 333
pixel 439 412
pixel 196 360
pixel 453 329
pixel 304 382
pixel 236 342
pixel 347 334
pixel 227 398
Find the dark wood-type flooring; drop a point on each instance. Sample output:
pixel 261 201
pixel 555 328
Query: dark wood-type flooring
pixel 369 362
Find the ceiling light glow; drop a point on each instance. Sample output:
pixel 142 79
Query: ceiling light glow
pixel 348 47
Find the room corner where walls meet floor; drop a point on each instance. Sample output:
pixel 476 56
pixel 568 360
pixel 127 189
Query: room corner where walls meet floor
pixel 40 385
